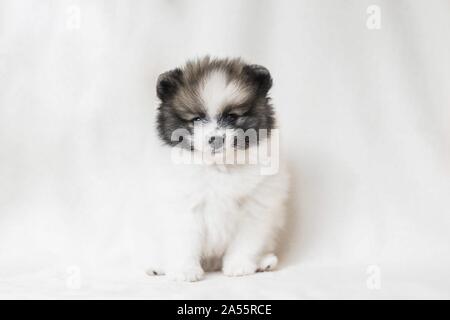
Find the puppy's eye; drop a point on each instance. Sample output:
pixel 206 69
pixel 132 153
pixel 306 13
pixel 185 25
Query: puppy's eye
pixel 231 117
pixel 197 119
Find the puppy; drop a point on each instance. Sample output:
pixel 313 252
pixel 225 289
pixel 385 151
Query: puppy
pixel 224 201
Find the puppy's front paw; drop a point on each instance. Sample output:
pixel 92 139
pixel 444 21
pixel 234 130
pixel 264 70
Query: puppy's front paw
pixel 190 274
pixel 240 267
pixel 268 263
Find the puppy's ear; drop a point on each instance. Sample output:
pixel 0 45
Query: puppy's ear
pixel 260 76
pixel 168 83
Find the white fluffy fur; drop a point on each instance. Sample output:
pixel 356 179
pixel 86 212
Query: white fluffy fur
pixel 229 213
pixel 216 92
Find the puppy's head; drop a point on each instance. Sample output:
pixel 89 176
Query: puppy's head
pixel 214 105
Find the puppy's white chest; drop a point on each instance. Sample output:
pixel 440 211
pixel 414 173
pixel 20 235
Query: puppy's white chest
pixel 218 209
pixel 219 220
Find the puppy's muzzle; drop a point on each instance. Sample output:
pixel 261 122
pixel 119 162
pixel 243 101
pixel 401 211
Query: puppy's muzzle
pixel 216 142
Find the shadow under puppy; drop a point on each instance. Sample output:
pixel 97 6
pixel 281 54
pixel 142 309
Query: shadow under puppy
pixel 224 211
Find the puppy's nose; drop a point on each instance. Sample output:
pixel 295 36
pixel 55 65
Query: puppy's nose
pixel 216 142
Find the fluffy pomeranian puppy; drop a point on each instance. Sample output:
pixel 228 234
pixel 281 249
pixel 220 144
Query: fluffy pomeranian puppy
pixel 225 204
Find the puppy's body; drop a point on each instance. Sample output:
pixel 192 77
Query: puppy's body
pixel 218 214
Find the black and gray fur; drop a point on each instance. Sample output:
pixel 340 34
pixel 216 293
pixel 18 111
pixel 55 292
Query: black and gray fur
pixel 180 104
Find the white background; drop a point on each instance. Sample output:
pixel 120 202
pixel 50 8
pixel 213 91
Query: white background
pixel 364 118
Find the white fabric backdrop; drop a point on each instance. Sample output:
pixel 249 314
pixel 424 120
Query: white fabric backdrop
pixel 365 121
